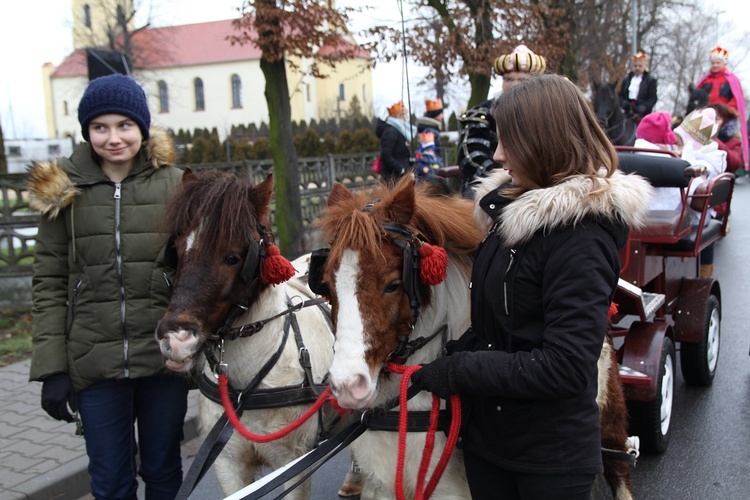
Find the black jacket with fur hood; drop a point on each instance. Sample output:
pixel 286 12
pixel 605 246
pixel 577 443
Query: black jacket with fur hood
pixel 99 283
pixel 542 283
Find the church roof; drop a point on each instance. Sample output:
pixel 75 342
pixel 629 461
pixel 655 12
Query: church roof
pixel 185 45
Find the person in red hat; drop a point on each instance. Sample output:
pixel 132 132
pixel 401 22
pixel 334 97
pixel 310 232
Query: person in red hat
pixel 638 90
pixel 724 87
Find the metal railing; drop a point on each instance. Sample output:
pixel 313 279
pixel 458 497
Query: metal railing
pixel 18 222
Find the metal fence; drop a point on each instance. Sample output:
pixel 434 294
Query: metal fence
pixel 18 222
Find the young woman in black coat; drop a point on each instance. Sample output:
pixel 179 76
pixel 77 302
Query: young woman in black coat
pixel 542 284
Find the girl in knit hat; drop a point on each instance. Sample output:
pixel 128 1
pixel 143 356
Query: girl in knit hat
pixel 655 133
pixel 100 286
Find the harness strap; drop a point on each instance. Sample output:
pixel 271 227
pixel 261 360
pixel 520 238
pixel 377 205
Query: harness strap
pixel 249 329
pixel 629 458
pixel 417 421
pixel 210 449
pixel 259 399
pixel 314 459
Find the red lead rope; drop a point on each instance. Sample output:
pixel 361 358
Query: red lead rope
pixel 258 438
pixel 455 426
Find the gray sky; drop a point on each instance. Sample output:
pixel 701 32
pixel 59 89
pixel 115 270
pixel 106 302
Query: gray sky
pixel 39 31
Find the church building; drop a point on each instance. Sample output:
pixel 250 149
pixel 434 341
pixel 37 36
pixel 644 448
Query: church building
pixel 193 76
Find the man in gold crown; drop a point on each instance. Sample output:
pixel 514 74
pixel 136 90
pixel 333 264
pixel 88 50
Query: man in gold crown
pixel 478 138
pixel 432 122
pixel 723 86
pixel 638 90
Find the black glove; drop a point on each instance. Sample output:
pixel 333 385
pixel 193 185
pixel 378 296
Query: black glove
pixel 433 377
pixel 56 395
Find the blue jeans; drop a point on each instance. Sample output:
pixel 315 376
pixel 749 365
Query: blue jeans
pixel 109 412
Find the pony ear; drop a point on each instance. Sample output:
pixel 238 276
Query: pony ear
pixel 402 206
pixel 338 193
pixel 187 175
pixel 691 87
pixel 264 191
pixel 595 83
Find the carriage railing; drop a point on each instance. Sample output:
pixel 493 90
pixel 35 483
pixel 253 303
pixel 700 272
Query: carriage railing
pixel 18 222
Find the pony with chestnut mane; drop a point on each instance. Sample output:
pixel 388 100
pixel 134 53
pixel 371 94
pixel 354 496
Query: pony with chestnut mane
pixel 237 308
pixel 394 300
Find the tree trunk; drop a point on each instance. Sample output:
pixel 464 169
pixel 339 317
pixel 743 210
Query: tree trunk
pixel 289 229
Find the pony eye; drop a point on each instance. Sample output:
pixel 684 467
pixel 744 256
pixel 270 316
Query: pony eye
pixel 232 259
pixel 393 286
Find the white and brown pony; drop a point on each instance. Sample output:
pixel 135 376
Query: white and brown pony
pixel 222 251
pixel 380 305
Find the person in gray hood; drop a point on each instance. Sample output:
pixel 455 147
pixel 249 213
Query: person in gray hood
pixel 100 286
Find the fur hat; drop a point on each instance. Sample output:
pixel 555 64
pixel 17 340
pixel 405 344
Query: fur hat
pixel 522 60
pixel 117 94
pixel 434 107
pixel 720 53
pixel 698 128
pixel 656 128
pixel 396 109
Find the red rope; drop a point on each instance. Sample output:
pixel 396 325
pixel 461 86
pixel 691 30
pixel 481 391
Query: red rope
pixel 455 426
pixel 260 438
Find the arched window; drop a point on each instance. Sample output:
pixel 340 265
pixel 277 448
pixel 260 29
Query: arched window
pixel 236 91
pixel 364 92
pixel 65 108
pixel 200 103
pixel 342 94
pixel 87 16
pixel 163 97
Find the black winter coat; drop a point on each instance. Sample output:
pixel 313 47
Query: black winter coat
pixel 395 154
pixel 646 95
pixel 541 288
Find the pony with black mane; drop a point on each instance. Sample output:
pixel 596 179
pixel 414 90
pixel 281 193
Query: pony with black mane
pixel 232 311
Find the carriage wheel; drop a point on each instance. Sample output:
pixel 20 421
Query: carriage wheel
pixel 650 420
pixel 698 361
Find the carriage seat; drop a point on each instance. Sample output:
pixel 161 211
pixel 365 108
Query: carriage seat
pixel 662 171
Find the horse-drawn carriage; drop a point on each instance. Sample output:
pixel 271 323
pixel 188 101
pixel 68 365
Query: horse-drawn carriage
pixel 662 300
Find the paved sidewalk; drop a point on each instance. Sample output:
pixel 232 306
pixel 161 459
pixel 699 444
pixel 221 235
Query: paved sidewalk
pixel 42 458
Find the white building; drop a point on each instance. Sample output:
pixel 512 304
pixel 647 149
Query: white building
pixel 194 78
pixel 21 152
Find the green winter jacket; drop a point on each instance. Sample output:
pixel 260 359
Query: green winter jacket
pixel 100 284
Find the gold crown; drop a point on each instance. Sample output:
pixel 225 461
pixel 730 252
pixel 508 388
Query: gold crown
pixel 639 57
pixel 436 105
pixel 692 125
pixel 522 60
pixel 396 109
pixel 719 53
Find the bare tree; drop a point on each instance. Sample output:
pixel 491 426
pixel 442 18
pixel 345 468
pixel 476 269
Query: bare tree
pixel 282 29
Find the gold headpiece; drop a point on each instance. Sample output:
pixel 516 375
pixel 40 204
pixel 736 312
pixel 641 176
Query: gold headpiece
pixel 396 109
pixel 720 53
pixel 522 60
pixel 436 105
pixel 639 57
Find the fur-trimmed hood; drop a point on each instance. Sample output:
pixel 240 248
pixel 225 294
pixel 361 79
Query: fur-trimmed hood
pixel 54 184
pixel 568 203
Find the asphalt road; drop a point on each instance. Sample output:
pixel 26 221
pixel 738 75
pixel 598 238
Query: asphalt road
pixel 708 457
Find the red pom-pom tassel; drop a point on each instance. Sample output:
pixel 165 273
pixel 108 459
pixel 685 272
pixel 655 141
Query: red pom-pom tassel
pixel 433 264
pixel 276 268
pixel 612 310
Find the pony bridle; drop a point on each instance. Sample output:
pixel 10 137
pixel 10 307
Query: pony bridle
pixel 409 241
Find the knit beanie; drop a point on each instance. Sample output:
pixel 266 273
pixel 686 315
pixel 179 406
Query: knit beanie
pixel 656 128
pixel 698 128
pixel 117 94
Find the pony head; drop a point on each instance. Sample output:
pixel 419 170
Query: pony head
pixel 387 253
pixel 218 243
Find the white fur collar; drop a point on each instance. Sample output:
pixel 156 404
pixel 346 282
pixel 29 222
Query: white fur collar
pixel 567 203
